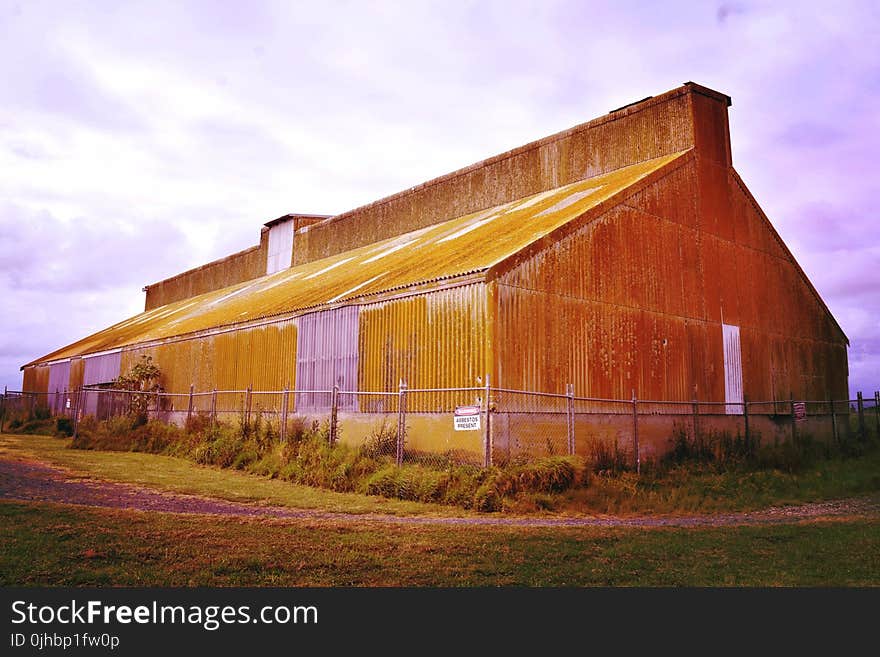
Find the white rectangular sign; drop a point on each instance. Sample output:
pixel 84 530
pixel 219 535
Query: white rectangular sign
pixel 467 418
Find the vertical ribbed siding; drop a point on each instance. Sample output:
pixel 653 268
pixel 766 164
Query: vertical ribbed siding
pixel 35 378
pixel 77 370
pixel 101 369
pixel 327 354
pixel 431 340
pixel 59 376
pixel 59 380
pixel 261 357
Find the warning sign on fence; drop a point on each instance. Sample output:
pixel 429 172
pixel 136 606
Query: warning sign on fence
pixel 800 411
pixel 467 418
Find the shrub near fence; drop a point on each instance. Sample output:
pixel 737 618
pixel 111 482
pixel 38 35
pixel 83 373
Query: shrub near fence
pixel 417 426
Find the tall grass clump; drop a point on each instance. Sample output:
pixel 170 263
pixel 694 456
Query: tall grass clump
pixel 723 451
pixel 306 457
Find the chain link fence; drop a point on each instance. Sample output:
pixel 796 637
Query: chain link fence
pixel 480 426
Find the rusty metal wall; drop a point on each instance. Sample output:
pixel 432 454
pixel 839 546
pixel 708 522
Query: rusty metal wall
pixel 432 340
pixel 635 299
pixel 102 368
pixel 77 369
pixel 35 378
pixel 656 127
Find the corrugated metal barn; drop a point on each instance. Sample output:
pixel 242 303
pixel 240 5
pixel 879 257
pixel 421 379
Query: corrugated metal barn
pixel 624 254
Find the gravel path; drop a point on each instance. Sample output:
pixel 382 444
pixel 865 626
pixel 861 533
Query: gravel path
pixel 37 482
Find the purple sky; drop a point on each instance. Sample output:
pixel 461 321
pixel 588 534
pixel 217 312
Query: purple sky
pixel 139 139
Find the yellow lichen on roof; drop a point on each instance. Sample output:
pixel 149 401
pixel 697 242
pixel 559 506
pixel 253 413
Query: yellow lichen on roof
pixel 465 245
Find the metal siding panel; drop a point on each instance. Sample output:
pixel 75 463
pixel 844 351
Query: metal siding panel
pixel 35 378
pixel 77 367
pixel 436 339
pixel 59 377
pixel 733 379
pixel 280 247
pixel 59 380
pixel 327 352
pixel 102 369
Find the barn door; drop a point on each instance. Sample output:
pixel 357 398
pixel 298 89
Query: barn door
pixel 733 378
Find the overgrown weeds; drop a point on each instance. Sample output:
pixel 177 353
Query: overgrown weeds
pixel 722 451
pixel 306 457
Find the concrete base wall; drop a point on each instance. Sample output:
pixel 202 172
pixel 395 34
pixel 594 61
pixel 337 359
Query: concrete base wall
pixel 532 435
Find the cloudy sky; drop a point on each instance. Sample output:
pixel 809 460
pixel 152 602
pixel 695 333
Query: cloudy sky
pixel 138 139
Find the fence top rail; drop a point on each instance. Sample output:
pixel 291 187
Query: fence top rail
pixel 527 392
pixel 603 401
pixel 127 392
pixel 472 389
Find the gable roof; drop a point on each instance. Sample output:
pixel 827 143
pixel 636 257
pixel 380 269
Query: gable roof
pixel 459 247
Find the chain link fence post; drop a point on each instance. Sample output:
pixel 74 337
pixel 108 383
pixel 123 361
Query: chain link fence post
pixel 247 408
pixel 861 415
pixel 214 407
pixel 834 432
pixel 746 417
pixel 695 410
pixel 79 406
pixel 637 456
pixel 3 408
pixel 570 400
pixel 334 406
pixel 877 411
pixel 285 396
pixel 401 421
pixel 189 408
pixel 487 435
pixel 793 420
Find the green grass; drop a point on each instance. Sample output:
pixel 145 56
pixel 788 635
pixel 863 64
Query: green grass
pixel 49 544
pixel 693 489
pixel 184 476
